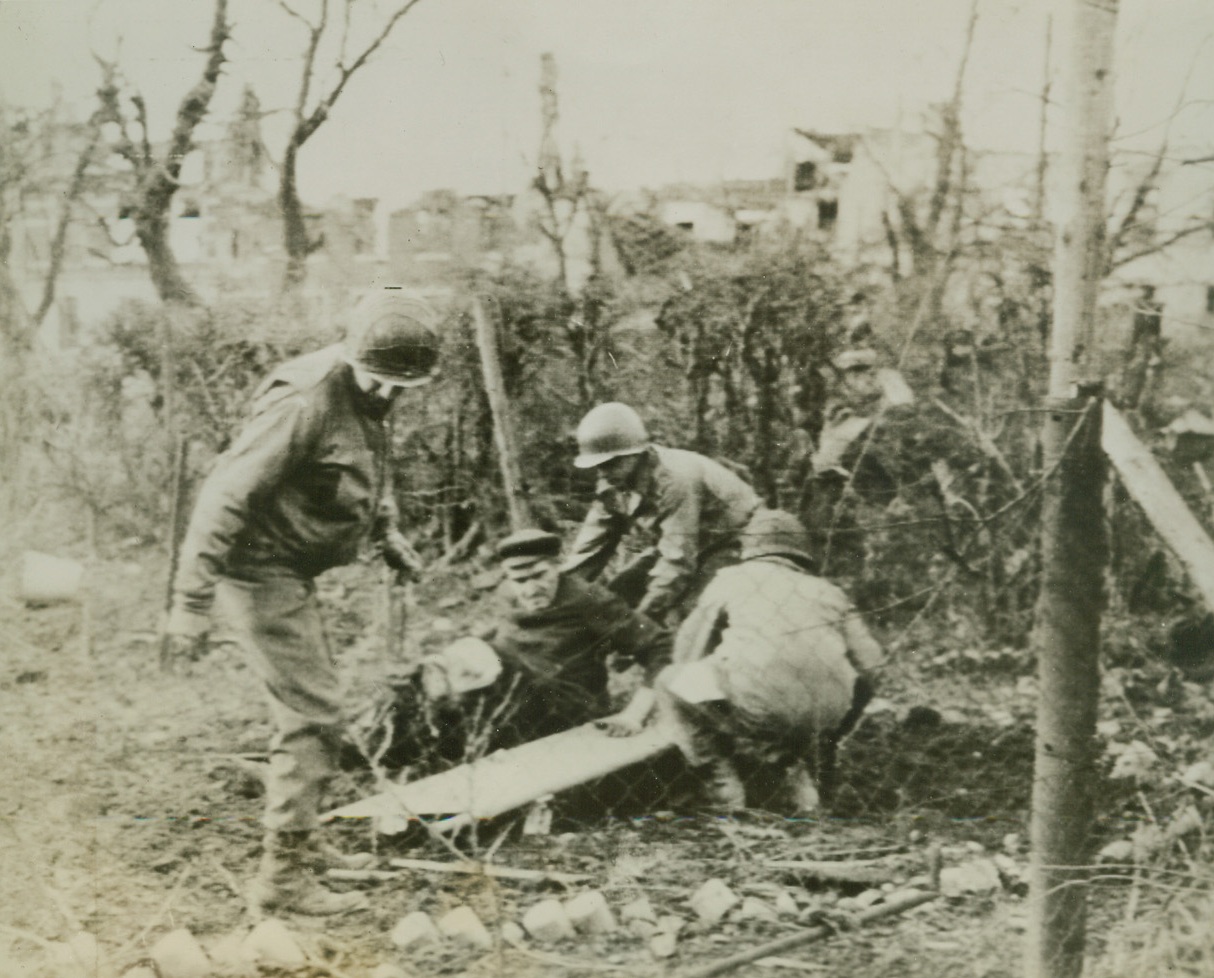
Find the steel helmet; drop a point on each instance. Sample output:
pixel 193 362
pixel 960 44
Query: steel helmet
pixel 608 431
pixel 775 533
pixel 393 336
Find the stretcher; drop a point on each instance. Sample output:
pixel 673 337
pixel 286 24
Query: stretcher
pixel 508 779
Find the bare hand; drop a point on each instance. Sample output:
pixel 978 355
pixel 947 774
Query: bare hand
pixel 621 725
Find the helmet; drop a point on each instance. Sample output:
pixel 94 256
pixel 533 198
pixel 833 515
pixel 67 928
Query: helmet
pixel 393 336
pixel 608 431
pixel 775 533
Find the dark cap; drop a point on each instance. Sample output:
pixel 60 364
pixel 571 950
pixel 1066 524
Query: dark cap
pixel 526 548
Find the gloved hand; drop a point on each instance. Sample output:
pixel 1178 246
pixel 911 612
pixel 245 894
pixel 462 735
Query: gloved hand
pixel 400 555
pixel 183 640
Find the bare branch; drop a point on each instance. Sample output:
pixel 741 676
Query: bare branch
pixel 1148 183
pixel 194 106
pixel 292 12
pixel 321 112
pixel 70 196
pixel 1162 244
pixel 141 116
pixel 107 96
pixel 315 32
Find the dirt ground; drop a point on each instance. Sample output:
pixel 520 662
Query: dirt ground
pixel 126 815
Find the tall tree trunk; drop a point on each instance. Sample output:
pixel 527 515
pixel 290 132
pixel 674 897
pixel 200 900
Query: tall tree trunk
pixel 295 230
pixel 152 229
pixel 1074 544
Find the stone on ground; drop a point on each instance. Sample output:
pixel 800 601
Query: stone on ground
pixel 273 943
pixel 979 876
pixel 414 928
pixel 464 926
pixel 713 900
pixel 547 921
pixel 590 914
pixel 179 955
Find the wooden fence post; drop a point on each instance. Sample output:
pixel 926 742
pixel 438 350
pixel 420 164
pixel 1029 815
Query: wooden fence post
pixel 503 424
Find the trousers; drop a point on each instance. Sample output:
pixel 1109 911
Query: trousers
pixel 277 624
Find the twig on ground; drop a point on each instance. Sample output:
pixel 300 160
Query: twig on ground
pixel 28 936
pixel 165 907
pixel 226 877
pixel 470 866
pixel 894 907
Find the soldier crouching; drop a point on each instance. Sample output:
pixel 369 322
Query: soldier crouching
pixel 772 667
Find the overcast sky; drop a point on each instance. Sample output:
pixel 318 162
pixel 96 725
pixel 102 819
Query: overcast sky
pixel 651 91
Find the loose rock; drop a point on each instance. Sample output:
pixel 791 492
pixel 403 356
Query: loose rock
pixel 179 955
pixel 273 943
pixel 464 926
pixel 548 922
pixel 713 900
pixel 590 914
pixel 980 876
pixel 639 909
pixel 414 928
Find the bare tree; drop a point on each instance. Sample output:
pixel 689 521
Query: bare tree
pixel 567 202
pixel 312 107
pixel 1133 234
pixel 28 169
pixel 156 171
pixel 931 235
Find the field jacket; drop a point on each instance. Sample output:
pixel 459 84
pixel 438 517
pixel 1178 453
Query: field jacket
pixel 786 646
pixel 298 490
pixel 566 646
pixel 693 504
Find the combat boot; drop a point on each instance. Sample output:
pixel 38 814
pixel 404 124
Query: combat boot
pixel 802 792
pixel 285 882
pixel 723 784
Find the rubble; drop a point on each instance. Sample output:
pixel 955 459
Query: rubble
pixel 464 926
pixel 639 909
pixel 548 922
pixel 664 943
pixel 414 928
pixel 590 914
pixel 232 956
pixel 273 943
pixel 79 954
pixel 713 900
pixel 179 955
pixel 980 876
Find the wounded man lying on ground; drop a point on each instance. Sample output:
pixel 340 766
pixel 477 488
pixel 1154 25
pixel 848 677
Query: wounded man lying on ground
pixel 771 670
pixel 544 669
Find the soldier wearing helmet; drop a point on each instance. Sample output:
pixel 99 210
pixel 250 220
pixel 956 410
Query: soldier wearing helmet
pixel 771 669
pixel 694 506
pixel 303 488
pixel 541 670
